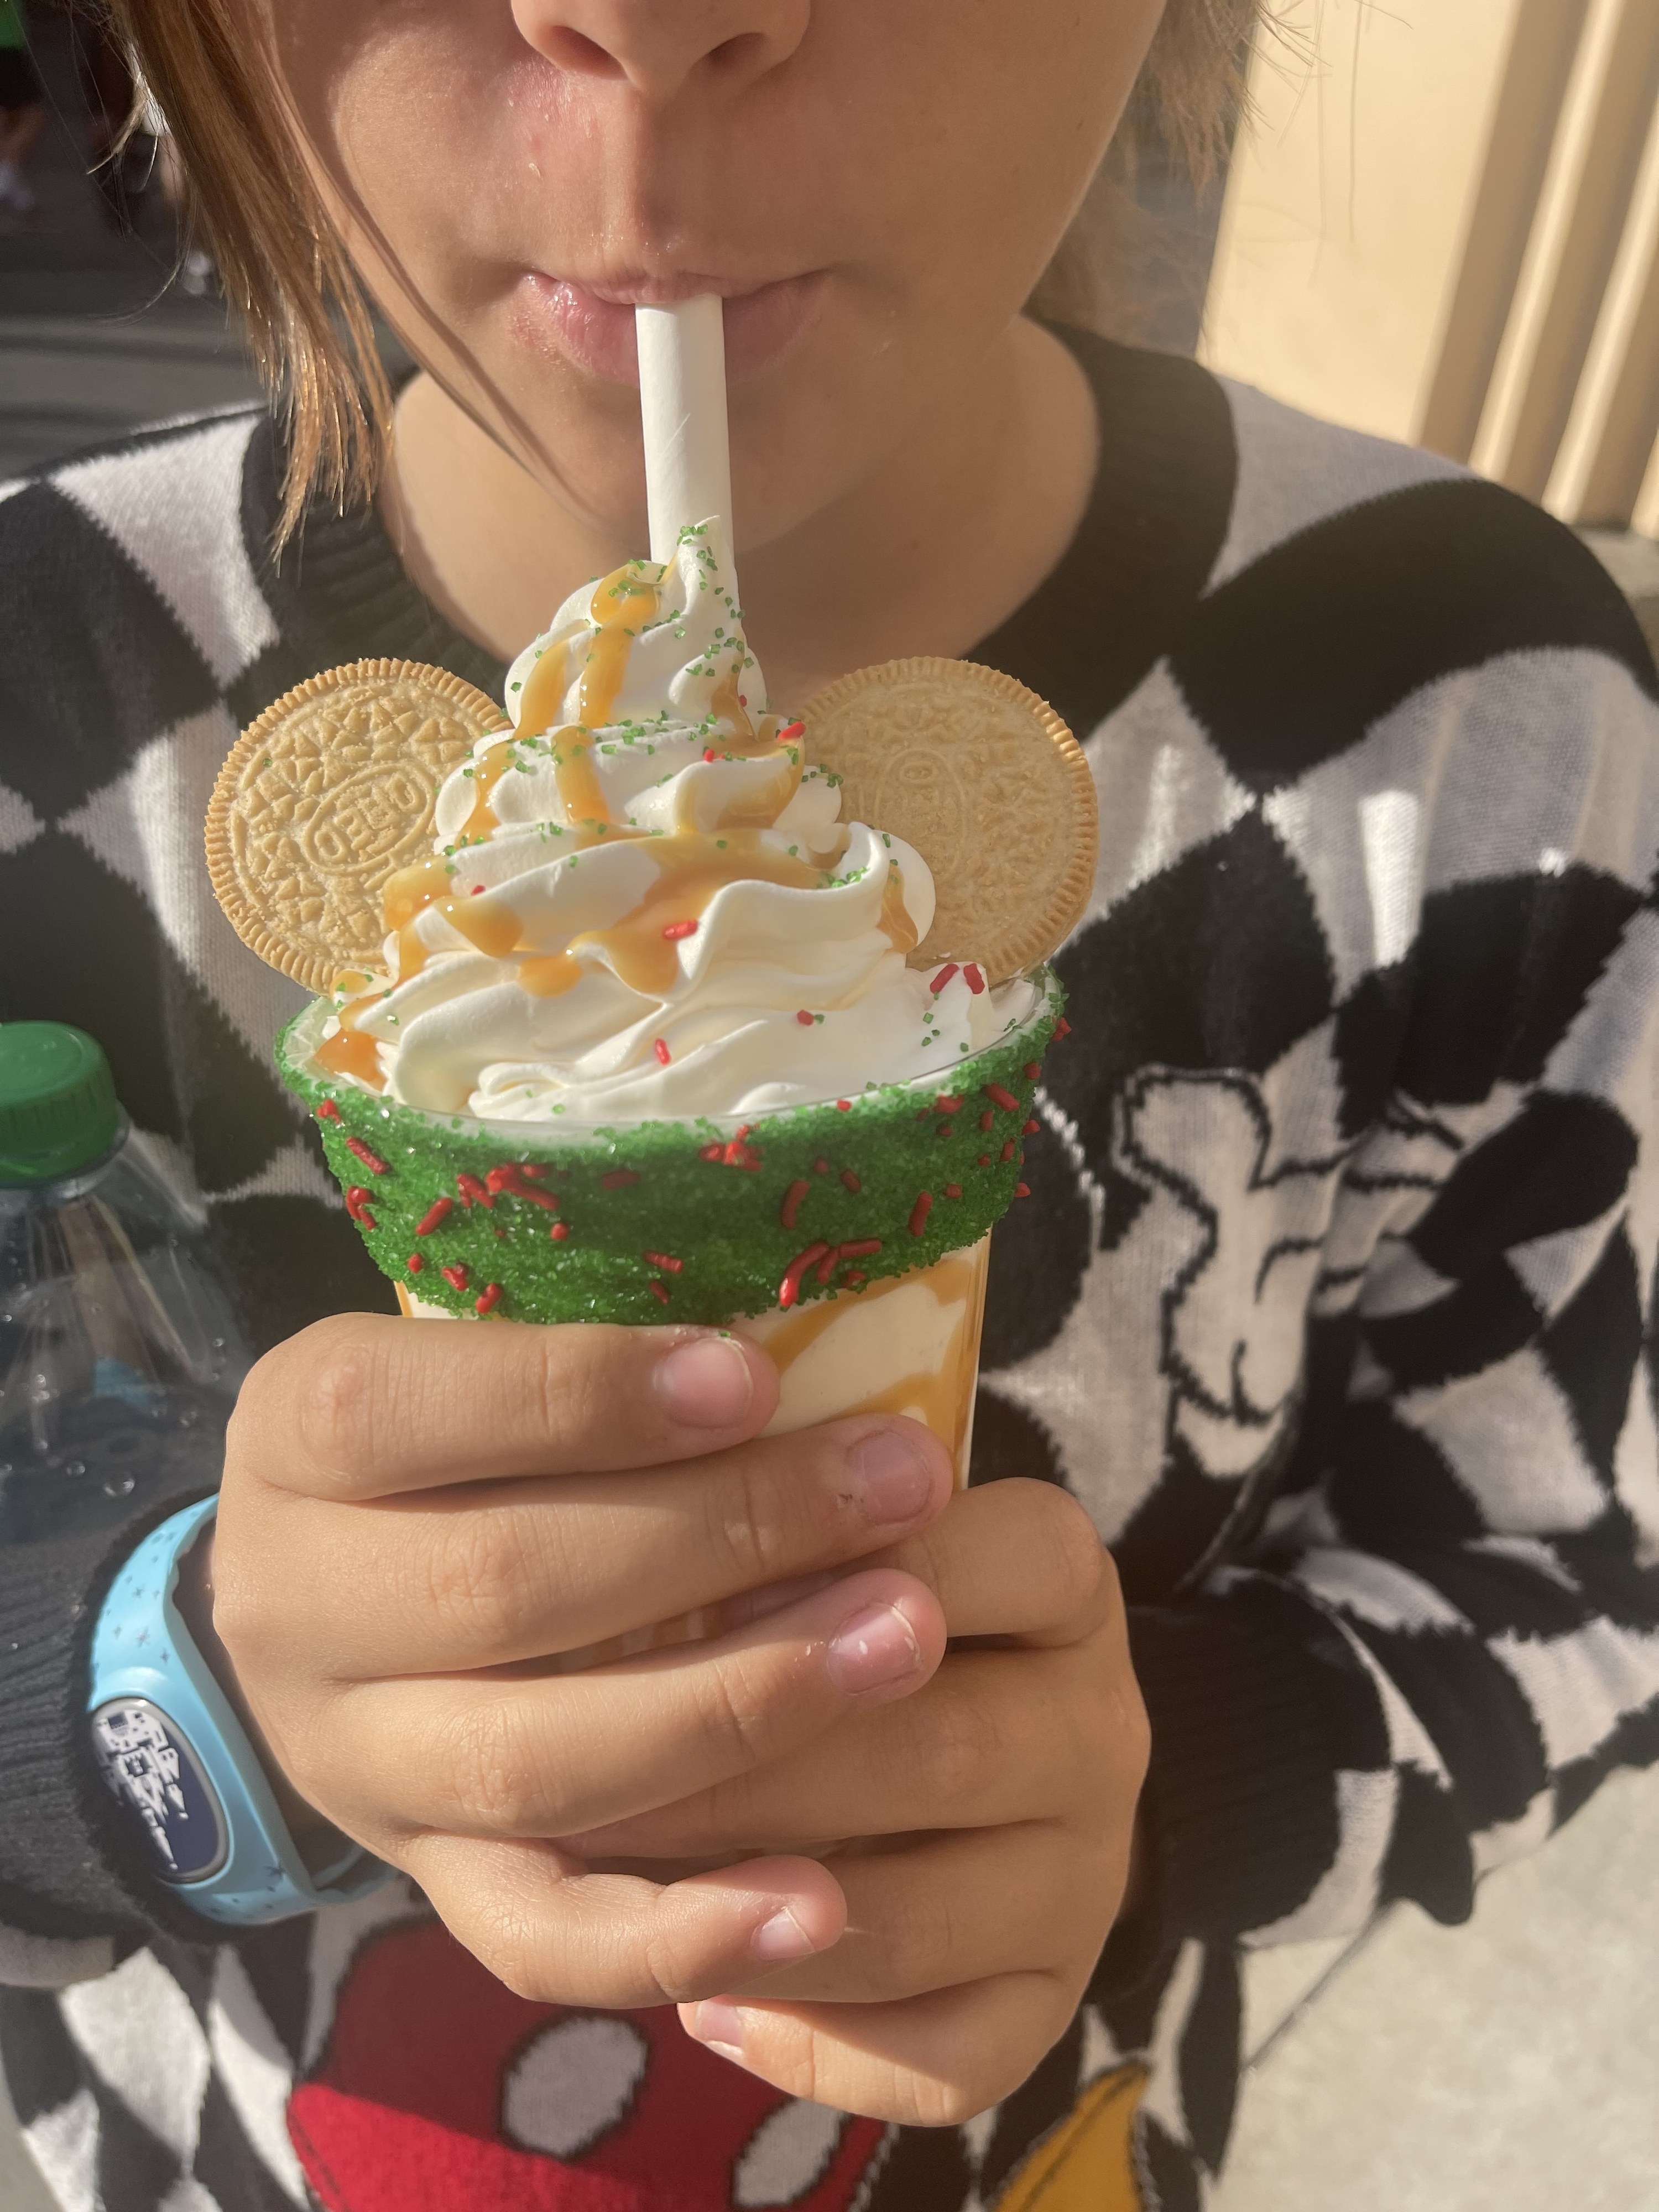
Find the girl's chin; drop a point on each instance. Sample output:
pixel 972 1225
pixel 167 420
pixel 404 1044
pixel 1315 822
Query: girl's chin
pixel 595 333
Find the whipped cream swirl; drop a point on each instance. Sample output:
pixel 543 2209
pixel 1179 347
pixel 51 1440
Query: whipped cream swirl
pixel 641 902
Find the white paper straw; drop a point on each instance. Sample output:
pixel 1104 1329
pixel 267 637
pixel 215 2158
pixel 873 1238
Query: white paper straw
pixel 688 461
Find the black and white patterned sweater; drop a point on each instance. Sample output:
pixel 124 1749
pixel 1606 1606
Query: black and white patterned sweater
pixel 1333 1301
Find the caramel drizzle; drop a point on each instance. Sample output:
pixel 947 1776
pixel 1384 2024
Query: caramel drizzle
pixel 693 866
pixel 622 603
pixel 944 1399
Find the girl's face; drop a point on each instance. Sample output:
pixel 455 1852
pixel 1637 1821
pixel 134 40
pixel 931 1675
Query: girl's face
pixel 873 186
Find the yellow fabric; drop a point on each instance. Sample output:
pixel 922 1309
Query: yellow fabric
pixel 1086 2164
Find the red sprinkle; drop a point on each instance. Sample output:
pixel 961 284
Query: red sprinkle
pixel 803 1018
pixel 664 1260
pixel 851 1181
pixel 488 1299
pixel 986 1118
pixel 843 1105
pixel 999 1097
pixel 1008 1150
pixel 985 1160
pixel 1022 1190
pixel 789 1288
pixel 1030 1128
pixel 530 1168
pixel 919 1211
pixel 456 1276
pixel 619 1179
pixel 474 1192
pixel 509 1177
pixel 559 1231
pixel 357 1205
pixel 477 890
pixel 437 1211
pixel 947 1128
pixel 372 1160
pixel 660 1046
pixel 792 1198
pixel 735 1153
pixel 851 1280
pixel 943 1104
pixel 708 753
pixel 953 1190
pixel 837 1253
pixel 1033 1069
pixel 791 730
pixel 944 975
pixel 820 1166
pixel 1062 1029
pixel 658 1291
pixel 416 1261
pixel 972 977
pixel 678 929
pixel 328 1111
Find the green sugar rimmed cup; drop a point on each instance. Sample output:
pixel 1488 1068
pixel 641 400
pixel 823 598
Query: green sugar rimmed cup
pixel 676 1220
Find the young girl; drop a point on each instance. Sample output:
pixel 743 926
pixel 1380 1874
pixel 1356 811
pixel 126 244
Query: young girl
pixel 1317 1430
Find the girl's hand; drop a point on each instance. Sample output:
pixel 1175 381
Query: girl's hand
pixel 416 1515
pixel 998 1806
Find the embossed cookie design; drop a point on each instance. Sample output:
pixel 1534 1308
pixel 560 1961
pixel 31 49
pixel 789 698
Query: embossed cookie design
pixel 327 794
pixel 983 778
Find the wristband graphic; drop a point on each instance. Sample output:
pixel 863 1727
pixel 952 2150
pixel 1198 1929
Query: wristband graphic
pixel 179 1763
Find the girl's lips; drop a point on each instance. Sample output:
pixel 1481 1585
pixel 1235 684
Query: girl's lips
pixel 596 332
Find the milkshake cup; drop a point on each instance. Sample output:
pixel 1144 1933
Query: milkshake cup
pixel 849 1238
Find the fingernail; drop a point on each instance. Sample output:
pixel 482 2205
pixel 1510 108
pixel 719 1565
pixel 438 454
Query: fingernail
pixel 875 1647
pixel 781 1937
pixel 720 2024
pixel 705 1383
pixel 892 1474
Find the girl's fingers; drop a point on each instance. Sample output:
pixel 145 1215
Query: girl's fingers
pixel 523 1754
pixel 1017 1558
pixel 557 1934
pixel 361 1406
pixel 489 1573
pixel 1019 1730
pixel 952 1909
pixel 928 2062
pixel 995 1736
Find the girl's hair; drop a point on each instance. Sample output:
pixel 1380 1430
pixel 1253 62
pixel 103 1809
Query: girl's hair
pixel 251 201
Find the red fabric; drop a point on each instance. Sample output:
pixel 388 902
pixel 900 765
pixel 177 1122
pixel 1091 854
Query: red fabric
pixel 429 2057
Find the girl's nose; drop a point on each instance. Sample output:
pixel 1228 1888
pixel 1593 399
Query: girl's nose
pixel 658 45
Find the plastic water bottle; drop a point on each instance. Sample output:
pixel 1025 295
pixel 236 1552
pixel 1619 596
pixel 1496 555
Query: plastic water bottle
pixel 119 1355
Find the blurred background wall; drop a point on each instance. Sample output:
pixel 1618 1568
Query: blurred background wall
pixel 1441 223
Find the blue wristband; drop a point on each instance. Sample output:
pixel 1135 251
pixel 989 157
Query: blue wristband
pixel 179 1763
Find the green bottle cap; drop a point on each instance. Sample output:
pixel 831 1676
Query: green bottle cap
pixel 58 1111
